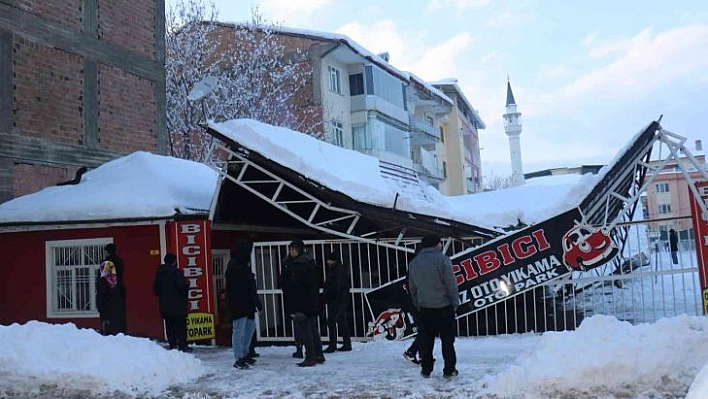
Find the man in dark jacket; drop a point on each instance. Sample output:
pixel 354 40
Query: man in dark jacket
pixel 673 246
pixel 434 292
pixel 171 287
pixel 119 321
pixel 304 301
pixel 243 302
pixel 337 297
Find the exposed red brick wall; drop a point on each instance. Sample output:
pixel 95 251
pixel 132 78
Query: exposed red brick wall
pixel 67 13
pixel 129 24
pixel 126 111
pixel 32 178
pixel 47 92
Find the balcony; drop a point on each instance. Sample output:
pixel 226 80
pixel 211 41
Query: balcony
pixel 426 163
pixel 423 133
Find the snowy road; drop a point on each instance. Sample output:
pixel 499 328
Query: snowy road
pixel 603 358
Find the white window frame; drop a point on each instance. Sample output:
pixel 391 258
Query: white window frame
pixel 662 187
pixel 52 268
pixel 335 80
pixel 338 133
pixel 664 209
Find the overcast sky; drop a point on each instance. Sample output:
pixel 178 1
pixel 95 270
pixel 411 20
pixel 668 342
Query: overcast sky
pixel 586 75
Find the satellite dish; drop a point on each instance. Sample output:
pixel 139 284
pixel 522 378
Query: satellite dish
pixel 202 88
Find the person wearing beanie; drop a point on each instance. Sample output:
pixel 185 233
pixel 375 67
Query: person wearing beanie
pixel 171 288
pixel 300 283
pixel 337 297
pixel 433 292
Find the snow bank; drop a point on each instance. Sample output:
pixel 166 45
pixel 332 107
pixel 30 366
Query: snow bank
pixel 37 355
pixel 605 355
pixel 139 185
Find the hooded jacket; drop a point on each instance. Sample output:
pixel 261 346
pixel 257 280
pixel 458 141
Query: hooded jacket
pixel 171 287
pixel 241 294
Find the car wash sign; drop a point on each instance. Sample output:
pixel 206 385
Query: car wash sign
pixel 508 266
pixel 193 258
pixel 700 227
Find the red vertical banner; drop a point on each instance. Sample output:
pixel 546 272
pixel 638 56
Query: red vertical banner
pixel 700 231
pixel 191 240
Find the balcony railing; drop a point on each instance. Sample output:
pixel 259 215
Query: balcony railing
pixel 424 127
pixel 427 163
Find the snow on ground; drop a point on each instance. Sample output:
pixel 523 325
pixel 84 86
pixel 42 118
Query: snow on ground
pixel 48 359
pixel 604 357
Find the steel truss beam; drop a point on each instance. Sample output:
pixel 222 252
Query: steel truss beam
pixel 643 175
pixel 310 215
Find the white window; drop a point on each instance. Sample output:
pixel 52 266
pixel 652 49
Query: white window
pixel 662 187
pixel 72 268
pixel 664 208
pixel 338 133
pixel 335 83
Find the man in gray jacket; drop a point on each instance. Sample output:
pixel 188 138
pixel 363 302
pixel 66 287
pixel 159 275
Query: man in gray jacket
pixel 434 292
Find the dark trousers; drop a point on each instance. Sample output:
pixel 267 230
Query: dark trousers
pixel 338 318
pixel 437 322
pixel 176 327
pixel 414 349
pixel 310 335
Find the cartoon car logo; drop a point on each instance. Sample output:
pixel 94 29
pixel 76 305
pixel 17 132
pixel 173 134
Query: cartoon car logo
pixel 390 324
pixel 585 247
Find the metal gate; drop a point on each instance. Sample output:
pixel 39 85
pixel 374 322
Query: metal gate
pixel 645 287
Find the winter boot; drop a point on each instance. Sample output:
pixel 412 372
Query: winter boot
pixel 345 348
pixel 411 357
pixel 307 363
pixel 298 352
pixel 330 349
pixel 241 364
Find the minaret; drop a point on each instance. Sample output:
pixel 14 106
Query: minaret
pixel 512 127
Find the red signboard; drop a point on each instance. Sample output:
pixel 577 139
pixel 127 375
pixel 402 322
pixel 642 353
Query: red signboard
pixel 191 241
pixel 700 228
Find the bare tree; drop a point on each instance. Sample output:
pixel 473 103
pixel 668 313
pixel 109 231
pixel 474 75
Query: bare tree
pixel 255 76
pixel 495 182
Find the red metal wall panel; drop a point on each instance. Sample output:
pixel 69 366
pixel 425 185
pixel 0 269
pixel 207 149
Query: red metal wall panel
pixel 23 275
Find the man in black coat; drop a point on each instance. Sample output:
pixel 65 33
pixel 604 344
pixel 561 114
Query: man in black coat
pixel 673 246
pixel 171 287
pixel 304 301
pixel 243 302
pixel 337 297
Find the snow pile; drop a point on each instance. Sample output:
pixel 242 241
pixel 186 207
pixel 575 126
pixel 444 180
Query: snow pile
pixel 139 185
pixel 38 356
pixel 605 355
pixel 699 387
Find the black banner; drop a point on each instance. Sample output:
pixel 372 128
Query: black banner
pixel 500 269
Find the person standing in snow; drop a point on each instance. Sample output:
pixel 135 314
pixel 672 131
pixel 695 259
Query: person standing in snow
pixel 337 297
pixel 285 282
pixel 304 301
pixel 171 288
pixel 673 246
pixel 434 293
pixel 120 321
pixel 243 302
pixel 110 300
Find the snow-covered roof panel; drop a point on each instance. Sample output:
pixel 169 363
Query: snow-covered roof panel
pixel 358 176
pixel 139 185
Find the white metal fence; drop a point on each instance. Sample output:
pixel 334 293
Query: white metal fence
pixel 644 285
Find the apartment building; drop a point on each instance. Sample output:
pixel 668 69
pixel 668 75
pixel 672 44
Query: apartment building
pixel 461 142
pixel 81 83
pixel 668 198
pixel 366 104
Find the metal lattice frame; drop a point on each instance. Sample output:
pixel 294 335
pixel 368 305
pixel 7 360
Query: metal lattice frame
pixel 262 188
